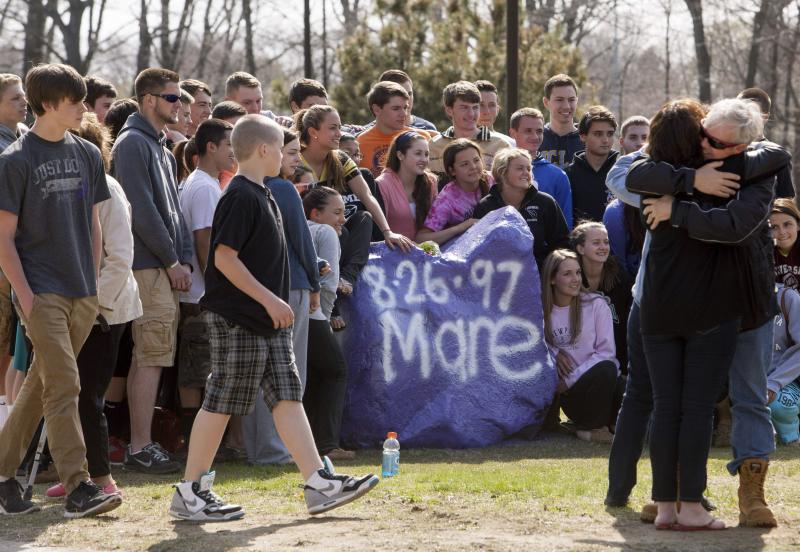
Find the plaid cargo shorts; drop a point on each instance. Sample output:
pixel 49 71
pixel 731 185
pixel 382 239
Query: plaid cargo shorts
pixel 242 362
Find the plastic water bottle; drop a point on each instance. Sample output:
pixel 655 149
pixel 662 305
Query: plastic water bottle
pixel 391 455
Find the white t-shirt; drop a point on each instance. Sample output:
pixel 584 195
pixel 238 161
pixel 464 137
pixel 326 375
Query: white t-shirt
pixel 198 198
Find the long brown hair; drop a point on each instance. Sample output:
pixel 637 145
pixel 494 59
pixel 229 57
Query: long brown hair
pixel 609 276
pixel 314 117
pixel 423 183
pixel 449 159
pixel 551 265
pixel 675 133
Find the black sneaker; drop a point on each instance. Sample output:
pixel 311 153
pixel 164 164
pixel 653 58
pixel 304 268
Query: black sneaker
pixel 151 459
pixel 88 499
pixel 11 501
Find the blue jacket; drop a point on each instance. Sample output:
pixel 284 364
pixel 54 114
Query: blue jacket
pixel 303 271
pixel 614 221
pixel 553 181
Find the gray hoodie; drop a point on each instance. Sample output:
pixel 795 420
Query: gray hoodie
pixel 146 170
pixel 786 351
pixel 8 136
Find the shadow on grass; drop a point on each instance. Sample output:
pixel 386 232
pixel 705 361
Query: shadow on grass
pixel 188 534
pixel 636 535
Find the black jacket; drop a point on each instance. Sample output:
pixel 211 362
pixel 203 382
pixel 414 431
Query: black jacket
pixel 718 283
pixel 543 215
pixel 589 193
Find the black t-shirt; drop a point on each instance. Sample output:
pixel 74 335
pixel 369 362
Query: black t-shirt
pixel 247 220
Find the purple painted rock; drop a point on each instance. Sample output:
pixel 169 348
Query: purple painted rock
pixel 448 351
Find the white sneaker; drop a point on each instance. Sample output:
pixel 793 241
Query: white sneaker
pixel 326 490
pixel 194 501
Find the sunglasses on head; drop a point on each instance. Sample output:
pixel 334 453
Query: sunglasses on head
pixel 713 142
pixel 171 98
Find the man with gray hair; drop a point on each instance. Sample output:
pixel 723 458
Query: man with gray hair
pixel 728 131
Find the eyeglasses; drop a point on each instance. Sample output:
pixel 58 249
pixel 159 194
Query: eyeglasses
pixel 171 98
pixel 714 142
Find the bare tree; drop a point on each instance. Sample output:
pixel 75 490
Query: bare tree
pixel 70 24
pixel 701 50
pixel 540 13
pixel 35 43
pixel 308 63
pixel 145 39
pixel 666 5
pixel 173 41
pixel 350 13
pixel 765 31
pixel 249 55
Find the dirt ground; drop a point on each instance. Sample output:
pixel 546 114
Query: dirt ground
pixel 545 495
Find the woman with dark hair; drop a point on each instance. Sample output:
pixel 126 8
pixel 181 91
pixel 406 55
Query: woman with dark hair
pixel 407 187
pixel 690 332
pixel 784 222
pixel 117 114
pixel 451 213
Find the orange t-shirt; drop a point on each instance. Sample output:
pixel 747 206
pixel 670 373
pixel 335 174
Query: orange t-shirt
pixel 375 144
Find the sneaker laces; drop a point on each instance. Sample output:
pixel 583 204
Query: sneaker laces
pixel 158 453
pixel 210 497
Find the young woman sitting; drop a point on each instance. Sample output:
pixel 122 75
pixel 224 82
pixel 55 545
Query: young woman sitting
pixel 579 330
pixel 407 187
pixel 451 213
pixel 602 274
pixel 514 186
pixel 784 222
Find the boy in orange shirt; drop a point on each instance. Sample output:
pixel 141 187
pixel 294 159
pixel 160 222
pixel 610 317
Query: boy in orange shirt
pixel 389 102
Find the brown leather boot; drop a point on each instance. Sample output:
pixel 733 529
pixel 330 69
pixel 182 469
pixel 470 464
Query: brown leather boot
pixel 753 509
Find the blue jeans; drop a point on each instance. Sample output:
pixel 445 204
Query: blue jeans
pixel 633 418
pixel 687 370
pixel 751 432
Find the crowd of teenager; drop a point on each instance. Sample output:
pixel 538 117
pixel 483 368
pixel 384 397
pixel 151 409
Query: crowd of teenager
pixel 169 254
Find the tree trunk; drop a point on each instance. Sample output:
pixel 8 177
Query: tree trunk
pixel 249 55
pixel 308 61
pixel 701 50
pixel 667 60
pixel 145 40
pixel 34 49
pixel 350 16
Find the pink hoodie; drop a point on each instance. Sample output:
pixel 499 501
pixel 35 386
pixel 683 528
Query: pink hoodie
pixel 596 340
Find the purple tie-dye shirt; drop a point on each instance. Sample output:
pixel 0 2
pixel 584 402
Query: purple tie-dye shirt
pixel 452 206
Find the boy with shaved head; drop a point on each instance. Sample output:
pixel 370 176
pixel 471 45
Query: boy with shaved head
pixel 250 329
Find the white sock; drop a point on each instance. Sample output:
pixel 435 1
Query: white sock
pixel 316 481
pixel 3 411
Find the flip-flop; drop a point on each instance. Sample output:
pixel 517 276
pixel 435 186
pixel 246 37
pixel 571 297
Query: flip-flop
pixel 706 527
pixel 665 526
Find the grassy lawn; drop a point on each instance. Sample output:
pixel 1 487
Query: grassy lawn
pixel 543 495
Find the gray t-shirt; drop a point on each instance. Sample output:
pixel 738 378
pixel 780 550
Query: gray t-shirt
pixel 52 187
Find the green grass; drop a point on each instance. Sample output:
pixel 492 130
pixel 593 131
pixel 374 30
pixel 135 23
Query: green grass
pixel 543 495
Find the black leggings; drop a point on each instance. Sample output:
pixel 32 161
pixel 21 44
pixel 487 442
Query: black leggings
pixel 593 401
pixel 326 385
pixel 96 364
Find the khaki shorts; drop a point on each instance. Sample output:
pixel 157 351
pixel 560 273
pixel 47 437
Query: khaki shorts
pixel 6 316
pixel 194 356
pixel 154 333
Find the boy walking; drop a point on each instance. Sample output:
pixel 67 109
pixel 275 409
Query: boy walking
pixel 50 242
pixel 250 324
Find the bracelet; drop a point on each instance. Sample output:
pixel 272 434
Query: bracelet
pixel 175 264
pixel 387 230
